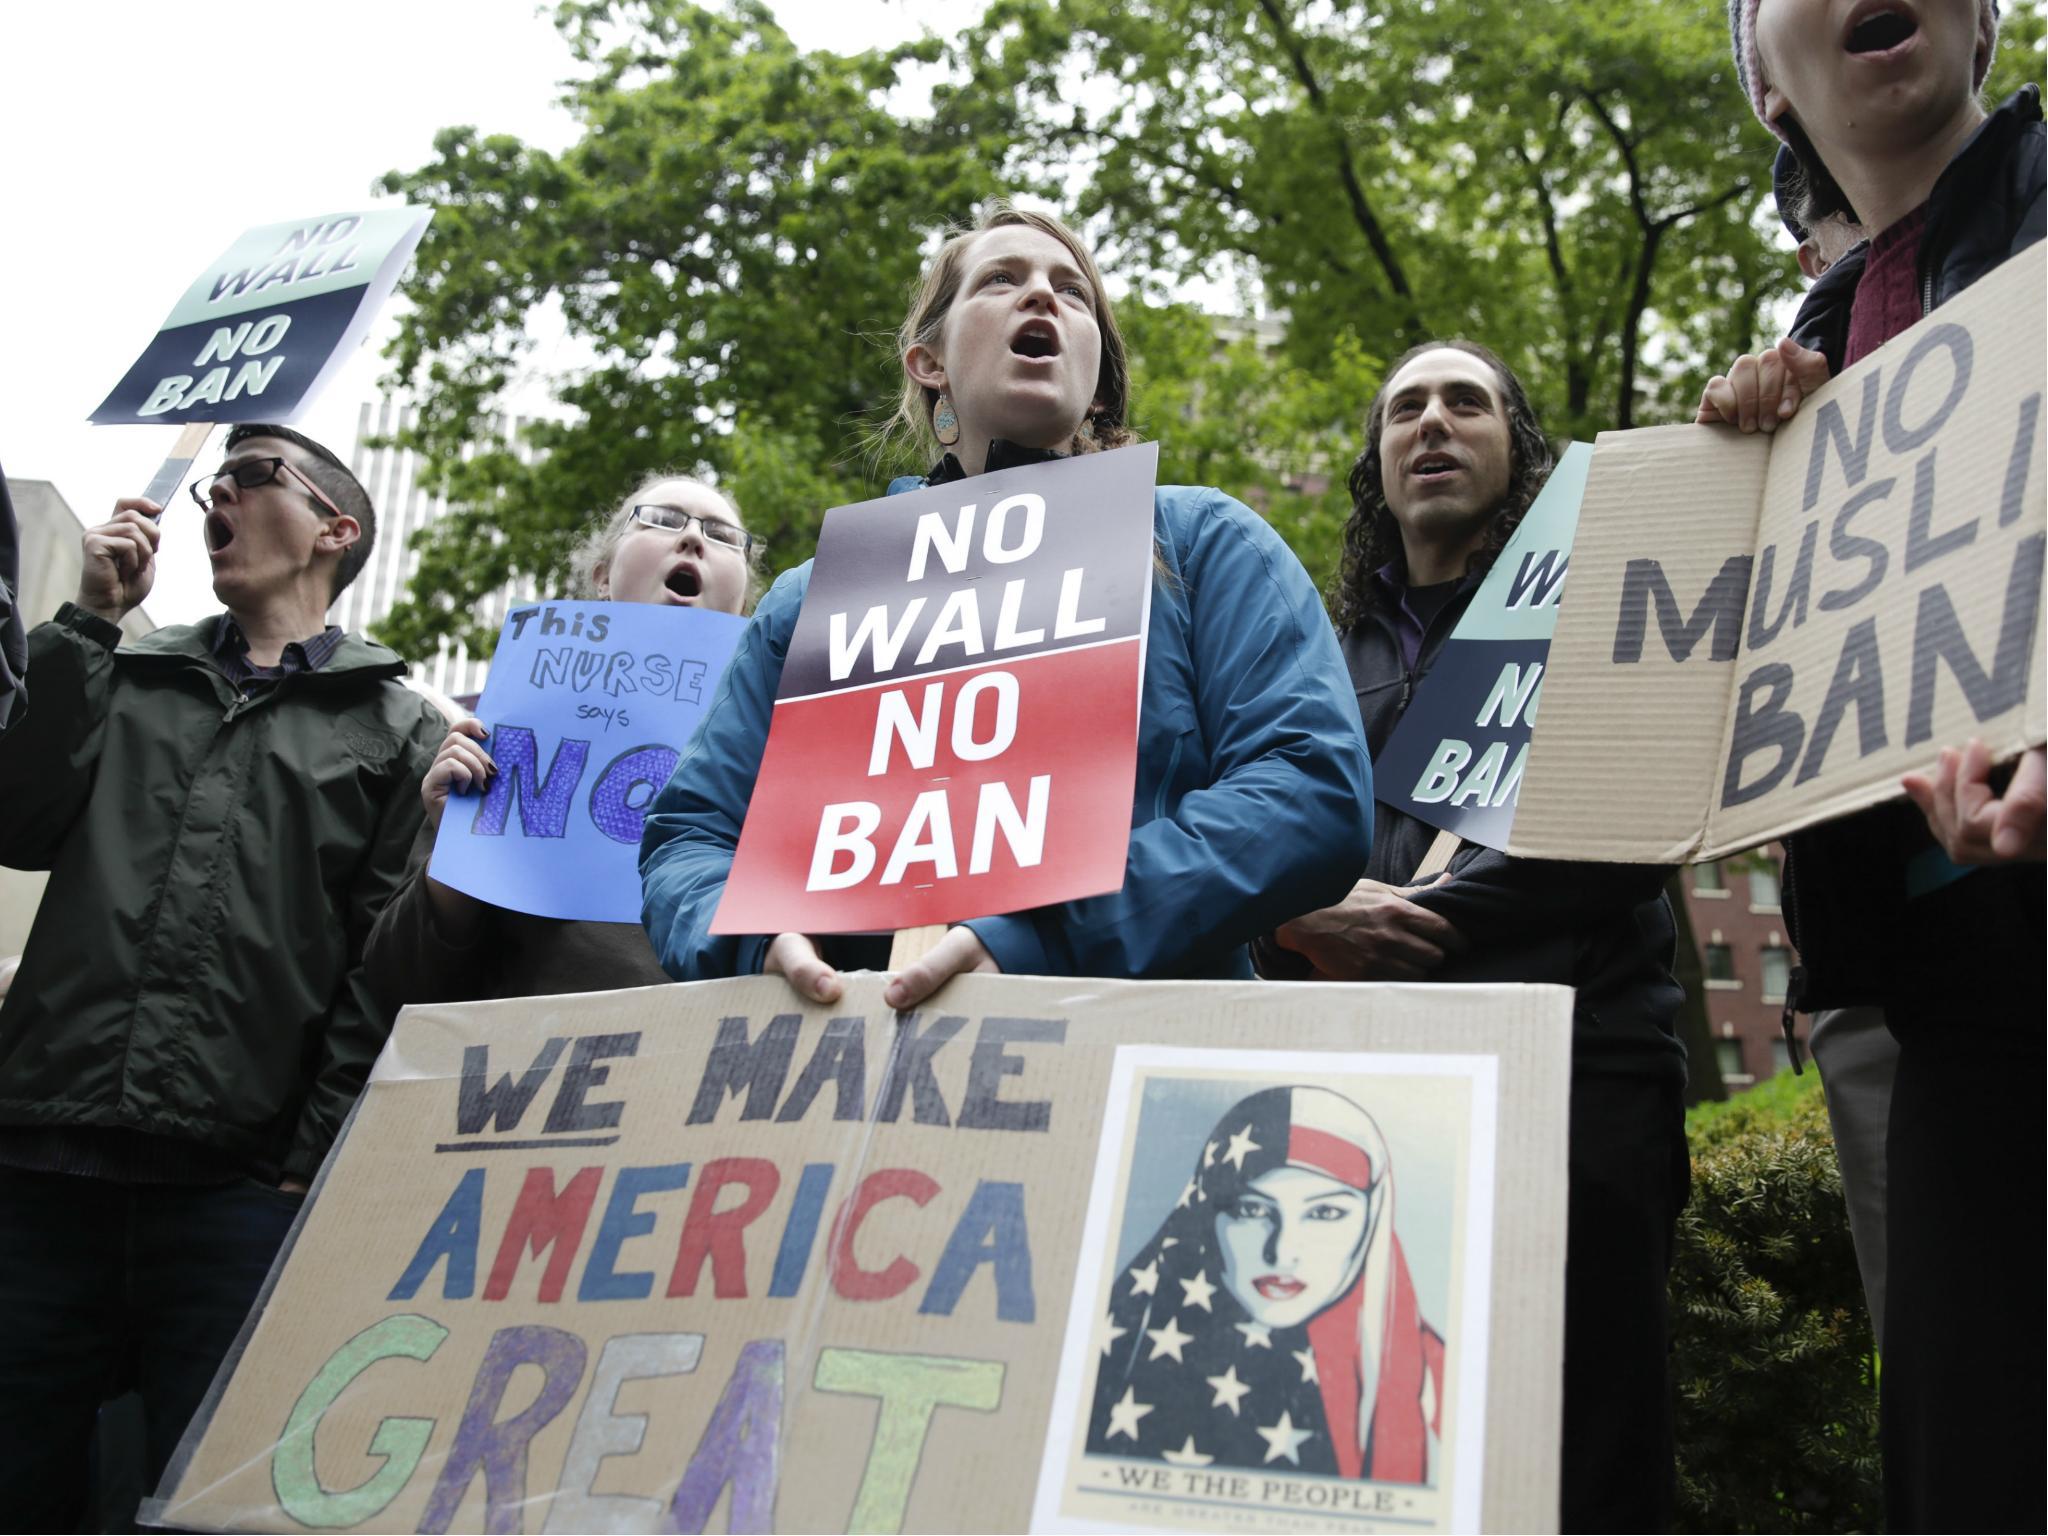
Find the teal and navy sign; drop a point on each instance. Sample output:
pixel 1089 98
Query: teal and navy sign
pixel 257 334
pixel 1455 761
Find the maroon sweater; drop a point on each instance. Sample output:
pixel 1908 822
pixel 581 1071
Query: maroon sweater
pixel 1888 294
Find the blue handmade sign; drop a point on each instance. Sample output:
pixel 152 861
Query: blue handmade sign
pixel 589 706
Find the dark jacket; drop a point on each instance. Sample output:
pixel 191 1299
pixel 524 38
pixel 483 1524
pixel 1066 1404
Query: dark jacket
pixel 1252 778
pixel 516 955
pixel 13 643
pixel 1985 208
pixel 1860 938
pixel 1604 929
pixel 216 859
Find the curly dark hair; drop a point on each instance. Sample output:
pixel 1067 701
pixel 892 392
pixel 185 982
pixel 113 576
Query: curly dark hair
pixel 1372 538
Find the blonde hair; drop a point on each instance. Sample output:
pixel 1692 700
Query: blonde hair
pixel 909 429
pixel 593 553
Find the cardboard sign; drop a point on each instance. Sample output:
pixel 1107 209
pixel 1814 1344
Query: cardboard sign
pixel 259 330
pixel 1456 759
pixel 589 705
pixel 1765 632
pixel 1051 1253
pixel 956 730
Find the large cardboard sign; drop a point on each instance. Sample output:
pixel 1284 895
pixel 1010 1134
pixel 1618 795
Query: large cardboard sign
pixel 589 707
pixel 956 730
pixel 260 329
pixel 1049 1253
pixel 1765 632
pixel 1456 759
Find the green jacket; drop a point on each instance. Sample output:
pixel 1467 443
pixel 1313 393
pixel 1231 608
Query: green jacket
pixel 216 860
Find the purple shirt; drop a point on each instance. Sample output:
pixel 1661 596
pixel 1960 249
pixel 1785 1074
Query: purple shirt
pixel 1413 608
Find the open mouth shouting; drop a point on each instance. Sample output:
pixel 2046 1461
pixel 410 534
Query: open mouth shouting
pixel 684 584
pixel 220 533
pixel 1037 339
pixel 1278 1287
pixel 1880 30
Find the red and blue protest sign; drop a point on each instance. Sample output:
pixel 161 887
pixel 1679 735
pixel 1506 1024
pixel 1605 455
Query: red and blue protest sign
pixel 956 729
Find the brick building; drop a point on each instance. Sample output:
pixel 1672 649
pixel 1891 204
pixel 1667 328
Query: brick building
pixel 1746 957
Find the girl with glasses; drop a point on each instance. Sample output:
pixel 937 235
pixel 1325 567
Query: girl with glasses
pixel 673 541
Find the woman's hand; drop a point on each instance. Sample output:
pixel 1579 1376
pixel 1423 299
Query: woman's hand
pixel 1973 825
pixel 960 952
pixel 795 955
pixel 460 765
pixel 1758 392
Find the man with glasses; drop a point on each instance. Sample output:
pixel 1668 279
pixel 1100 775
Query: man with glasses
pixel 223 808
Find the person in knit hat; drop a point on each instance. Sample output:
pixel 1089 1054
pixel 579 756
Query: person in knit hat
pixel 1932 910
pixel 1884 111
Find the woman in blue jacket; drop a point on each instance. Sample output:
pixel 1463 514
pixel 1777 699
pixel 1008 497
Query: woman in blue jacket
pixel 1254 796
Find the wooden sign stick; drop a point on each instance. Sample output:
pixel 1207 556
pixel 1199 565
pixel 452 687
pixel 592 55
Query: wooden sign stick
pixel 913 944
pixel 171 473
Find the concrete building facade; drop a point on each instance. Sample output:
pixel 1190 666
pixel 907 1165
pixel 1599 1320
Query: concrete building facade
pixel 51 561
pixel 405 505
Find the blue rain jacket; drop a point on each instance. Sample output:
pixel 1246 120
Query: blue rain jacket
pixel 1254 790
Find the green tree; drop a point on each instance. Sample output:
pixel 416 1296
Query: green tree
pixel 1578 183
pixel 1229 408
pixel 732 238
pixel 2022 51
pixel 1575 182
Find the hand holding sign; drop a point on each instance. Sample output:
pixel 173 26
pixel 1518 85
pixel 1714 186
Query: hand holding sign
pixel 589 706
pixel 959 953
pixel 796 956
pixel 462 765
pixel 1973 824
pixel 1760 391
pixel 1796 622
pixel 119 560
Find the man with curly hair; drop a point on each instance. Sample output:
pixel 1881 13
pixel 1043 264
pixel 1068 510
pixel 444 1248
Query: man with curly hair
pixel 1453 457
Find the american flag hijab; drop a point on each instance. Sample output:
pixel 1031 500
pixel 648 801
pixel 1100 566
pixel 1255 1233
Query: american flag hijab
pixel 1320 1363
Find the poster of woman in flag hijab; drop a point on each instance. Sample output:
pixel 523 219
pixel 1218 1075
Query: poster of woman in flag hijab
pixel 1278 1296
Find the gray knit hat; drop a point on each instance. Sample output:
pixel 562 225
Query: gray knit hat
pixel 1749 68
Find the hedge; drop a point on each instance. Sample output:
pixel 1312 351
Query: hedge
pixel 1773 1359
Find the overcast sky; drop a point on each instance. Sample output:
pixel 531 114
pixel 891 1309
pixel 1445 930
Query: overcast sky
pixel 141 138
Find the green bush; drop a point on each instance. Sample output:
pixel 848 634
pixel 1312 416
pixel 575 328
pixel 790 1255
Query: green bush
pixel 1775 1366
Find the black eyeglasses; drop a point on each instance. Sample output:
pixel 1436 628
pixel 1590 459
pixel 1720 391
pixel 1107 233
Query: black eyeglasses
pixel 675 520
pixel 251 473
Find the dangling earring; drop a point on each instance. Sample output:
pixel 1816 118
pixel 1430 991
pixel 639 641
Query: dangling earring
pixel 945 425
pixel 1088 427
